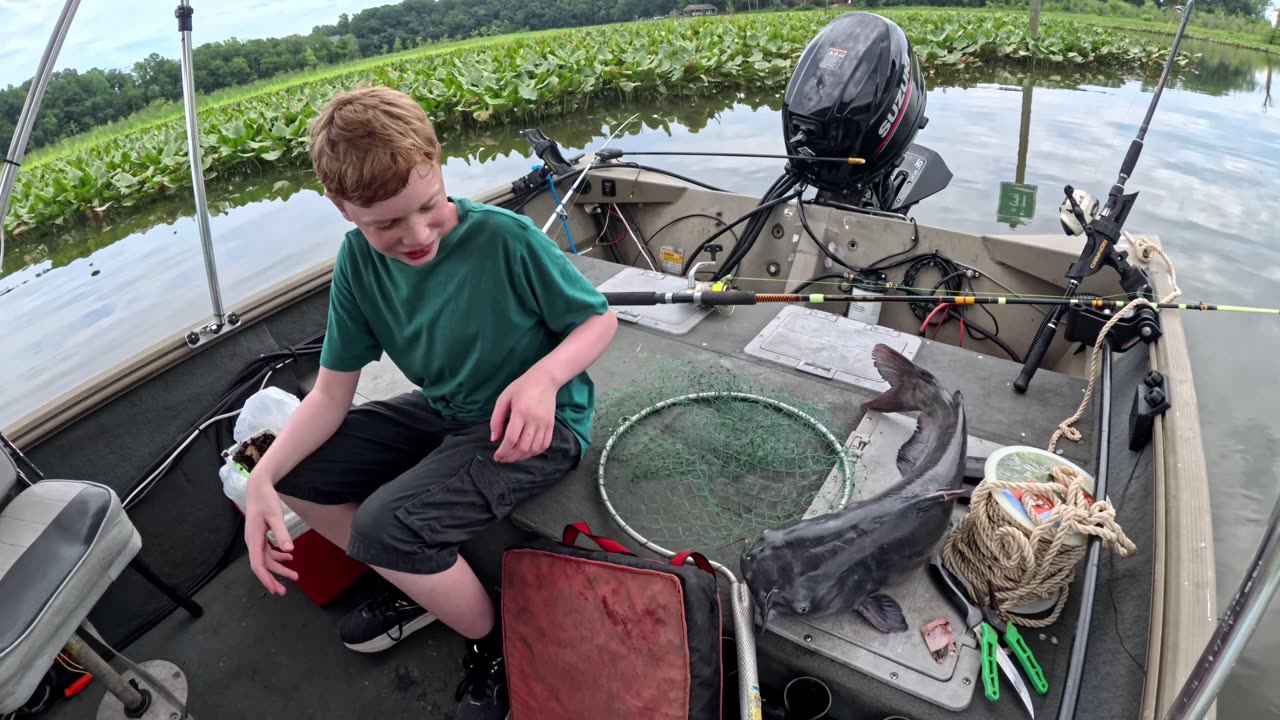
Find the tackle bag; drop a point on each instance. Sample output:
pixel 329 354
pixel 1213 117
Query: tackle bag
pixel 603 634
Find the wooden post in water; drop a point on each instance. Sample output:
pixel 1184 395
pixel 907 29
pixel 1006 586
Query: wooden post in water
pixel 1033 25
pixel 1024 129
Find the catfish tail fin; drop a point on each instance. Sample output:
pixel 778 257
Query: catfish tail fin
pixel 911 387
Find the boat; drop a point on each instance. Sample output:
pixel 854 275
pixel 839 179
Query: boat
pixel 794 296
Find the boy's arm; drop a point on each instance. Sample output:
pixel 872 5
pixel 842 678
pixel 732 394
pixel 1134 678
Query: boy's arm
pixel 314 421
pixel 530 401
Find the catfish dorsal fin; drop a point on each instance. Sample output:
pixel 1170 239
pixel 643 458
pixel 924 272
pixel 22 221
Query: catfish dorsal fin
pixel 913 449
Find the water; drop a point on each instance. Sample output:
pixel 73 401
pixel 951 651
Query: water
pixel 77 303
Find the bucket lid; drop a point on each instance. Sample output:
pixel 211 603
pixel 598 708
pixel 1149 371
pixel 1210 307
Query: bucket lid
pixel 1023 463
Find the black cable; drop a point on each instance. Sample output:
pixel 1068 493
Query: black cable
pixel 675 175
pixel 245 384
pixel 746 216
pixel 816 279
pixel 915 242
pixel 804 221
pixel 1115 617
pixel 780 191
pixel 986 334
pixel 658 232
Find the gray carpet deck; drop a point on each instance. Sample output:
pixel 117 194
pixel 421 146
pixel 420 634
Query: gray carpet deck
pixel 254 654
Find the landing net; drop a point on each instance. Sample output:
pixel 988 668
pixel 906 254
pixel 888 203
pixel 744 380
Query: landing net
pixel 698 459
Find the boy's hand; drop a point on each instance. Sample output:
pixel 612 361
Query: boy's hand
pixel 530 402
pixel 262 513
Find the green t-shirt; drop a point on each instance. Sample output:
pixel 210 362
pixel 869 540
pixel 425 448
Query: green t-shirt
pixel 497 298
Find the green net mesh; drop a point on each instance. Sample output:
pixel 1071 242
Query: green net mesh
pixel 703 474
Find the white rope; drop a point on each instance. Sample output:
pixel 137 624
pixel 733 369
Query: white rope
pixel 1001 561
pixel 1143 249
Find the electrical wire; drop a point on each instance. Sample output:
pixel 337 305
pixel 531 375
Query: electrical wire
pixel 915 242
pixel 779 191
pixel 688 262
pixel 145 486
pixel 643 250
pixel 669 223
pixel 817 279
pixel 804 221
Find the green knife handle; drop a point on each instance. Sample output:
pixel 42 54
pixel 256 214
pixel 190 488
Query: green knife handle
pixel 990 672
pixel 1023 653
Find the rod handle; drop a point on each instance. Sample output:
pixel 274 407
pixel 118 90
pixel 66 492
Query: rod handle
pixel 728 297
pixel 634 297
pixel 1039 347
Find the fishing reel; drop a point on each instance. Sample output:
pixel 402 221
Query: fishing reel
pixel 1078 210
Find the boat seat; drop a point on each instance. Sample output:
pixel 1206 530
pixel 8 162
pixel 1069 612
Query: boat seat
pixel 62 543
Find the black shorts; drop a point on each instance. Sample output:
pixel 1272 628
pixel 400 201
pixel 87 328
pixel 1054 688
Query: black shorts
pixel 424 484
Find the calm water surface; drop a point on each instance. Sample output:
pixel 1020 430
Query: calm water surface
pixel 76 304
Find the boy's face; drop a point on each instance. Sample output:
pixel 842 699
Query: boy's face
pixel 409 225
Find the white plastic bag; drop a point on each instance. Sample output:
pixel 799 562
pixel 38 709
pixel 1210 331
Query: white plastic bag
pixel 268 409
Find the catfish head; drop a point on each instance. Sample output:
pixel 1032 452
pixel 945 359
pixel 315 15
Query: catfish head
pixel 769 572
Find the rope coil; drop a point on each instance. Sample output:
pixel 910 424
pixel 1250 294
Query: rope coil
pixel 1004 563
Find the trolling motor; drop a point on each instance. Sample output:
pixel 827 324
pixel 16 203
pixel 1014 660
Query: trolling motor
pixel 1102 230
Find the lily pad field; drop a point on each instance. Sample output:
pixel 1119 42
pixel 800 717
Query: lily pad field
pixel 522 77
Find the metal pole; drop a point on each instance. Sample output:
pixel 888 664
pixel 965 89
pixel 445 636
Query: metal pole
pixel 100 670
pixel 183 13
pixel 1033 25
pixel 30 108
pixel 1089 585
pixel 1247 607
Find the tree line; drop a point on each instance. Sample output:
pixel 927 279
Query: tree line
pixel 78 101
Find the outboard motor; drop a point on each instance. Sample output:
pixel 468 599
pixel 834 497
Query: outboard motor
pixel 857 92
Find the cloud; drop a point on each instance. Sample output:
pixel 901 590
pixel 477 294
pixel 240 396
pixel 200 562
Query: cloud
pixel 117 33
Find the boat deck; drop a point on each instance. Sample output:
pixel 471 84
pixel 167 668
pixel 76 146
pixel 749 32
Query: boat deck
pixel 256 654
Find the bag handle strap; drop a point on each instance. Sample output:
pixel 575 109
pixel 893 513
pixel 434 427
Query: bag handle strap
pixel 572 531
pixel 698 559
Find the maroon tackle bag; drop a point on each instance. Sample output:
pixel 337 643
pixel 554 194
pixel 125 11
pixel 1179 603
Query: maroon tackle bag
pixel 601 633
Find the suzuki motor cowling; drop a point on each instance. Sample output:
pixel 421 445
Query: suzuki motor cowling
pixel 857 92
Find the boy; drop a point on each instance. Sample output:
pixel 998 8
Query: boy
pixel 488 317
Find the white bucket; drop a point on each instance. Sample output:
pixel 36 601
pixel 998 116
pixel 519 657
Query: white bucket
pixel 1023 463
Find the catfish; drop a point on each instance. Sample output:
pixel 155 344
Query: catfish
pixel 842 561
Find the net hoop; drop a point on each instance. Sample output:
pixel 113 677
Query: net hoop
pixel 843 453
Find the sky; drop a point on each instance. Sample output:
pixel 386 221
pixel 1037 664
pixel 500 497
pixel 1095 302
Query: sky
pixel 117 33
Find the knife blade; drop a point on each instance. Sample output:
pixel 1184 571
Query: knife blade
pixel 1006 667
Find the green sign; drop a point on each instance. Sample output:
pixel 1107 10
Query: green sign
pixel 1017 203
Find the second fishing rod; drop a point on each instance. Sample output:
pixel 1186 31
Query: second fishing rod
pixel 1102 230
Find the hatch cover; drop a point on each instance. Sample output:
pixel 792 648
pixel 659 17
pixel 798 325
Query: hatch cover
pixel 829 345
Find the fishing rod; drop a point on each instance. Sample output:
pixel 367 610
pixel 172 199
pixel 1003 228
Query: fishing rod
pixel 559 211
pixel 1102 230
pixel 806 158
pixel 746 297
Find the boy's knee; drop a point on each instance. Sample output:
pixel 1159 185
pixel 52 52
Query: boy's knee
pixel 381 535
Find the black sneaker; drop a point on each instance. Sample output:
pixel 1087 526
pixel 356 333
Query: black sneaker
pixel 482 694
pixel 382 621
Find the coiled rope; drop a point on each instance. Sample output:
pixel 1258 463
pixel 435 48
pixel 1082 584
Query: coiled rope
pixel 1002 562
